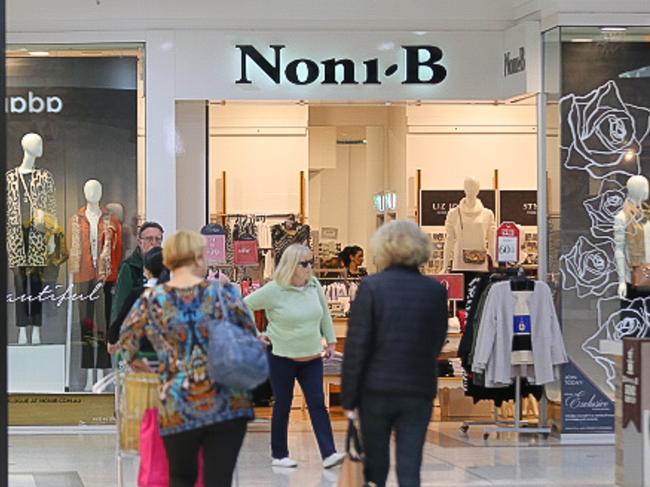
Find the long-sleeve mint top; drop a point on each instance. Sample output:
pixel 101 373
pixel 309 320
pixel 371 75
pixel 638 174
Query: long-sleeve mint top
pixel 298 318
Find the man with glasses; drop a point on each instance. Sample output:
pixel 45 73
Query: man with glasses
pixel 131 274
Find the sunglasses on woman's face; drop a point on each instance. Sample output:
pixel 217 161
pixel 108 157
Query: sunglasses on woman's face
pixel 306 263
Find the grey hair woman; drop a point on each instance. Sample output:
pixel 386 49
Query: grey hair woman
pixel 398 324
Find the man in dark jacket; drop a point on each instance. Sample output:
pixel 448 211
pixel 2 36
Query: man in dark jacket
pixel 398 325
pixel 131 275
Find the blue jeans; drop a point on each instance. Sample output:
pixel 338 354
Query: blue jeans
pixel 380 415
pixel 284 373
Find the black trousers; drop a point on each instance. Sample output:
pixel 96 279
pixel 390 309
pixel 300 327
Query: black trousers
pixel 408 417
pixel 94 352
pixel 28 281
pixel 221 443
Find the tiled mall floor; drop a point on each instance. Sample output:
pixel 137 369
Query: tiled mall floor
pixel 450 460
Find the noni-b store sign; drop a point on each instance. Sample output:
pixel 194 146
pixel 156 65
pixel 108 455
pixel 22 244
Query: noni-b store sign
pixel 420 65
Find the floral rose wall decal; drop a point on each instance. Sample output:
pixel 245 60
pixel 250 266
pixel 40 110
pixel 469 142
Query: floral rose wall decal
pixel 604 135
pixel 589 268
pixel 602 209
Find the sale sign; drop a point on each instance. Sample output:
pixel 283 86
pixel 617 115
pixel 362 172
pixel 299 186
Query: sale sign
pixel 508 243
pixel 455 285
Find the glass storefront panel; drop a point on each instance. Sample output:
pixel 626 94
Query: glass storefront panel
pixel 598 108
pixel 73 186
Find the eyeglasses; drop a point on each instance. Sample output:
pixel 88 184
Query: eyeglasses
pixel 152 239
pixel 306 263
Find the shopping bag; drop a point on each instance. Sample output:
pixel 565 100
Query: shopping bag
pixel 154 465
pixel 139 393
pixel 246 253
pixel 352 471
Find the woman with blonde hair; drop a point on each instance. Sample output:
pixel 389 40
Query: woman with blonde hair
pixel 194 411
pixel 398 324
pixel 299 319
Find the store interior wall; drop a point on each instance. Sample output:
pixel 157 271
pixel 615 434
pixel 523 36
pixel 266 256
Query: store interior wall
pixel 449 142
pixel 191 146
pixel 262 148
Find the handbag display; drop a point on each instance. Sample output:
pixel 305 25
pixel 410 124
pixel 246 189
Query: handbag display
pixel 641 277
pixel 472 256
pixel 154 464
pixel 236 358
pixel 352 474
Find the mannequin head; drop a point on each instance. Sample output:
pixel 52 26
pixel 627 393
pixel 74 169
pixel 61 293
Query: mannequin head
pixel 116 209
pixel 93 191
pixel 32 144
pixel 472 187
pixel 638 189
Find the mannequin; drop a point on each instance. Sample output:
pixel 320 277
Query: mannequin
pixel 30 195
pixel 632 236
pixel 95 256
pixel 470 228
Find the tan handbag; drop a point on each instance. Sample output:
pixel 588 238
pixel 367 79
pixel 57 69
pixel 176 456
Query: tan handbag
pixel 472 256
pixel 641 277
pixel 352 474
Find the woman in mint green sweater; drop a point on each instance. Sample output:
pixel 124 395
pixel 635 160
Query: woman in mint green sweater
pixel 299 319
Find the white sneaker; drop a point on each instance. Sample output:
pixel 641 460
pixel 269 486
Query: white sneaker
pixel 333 460
pixel 285 462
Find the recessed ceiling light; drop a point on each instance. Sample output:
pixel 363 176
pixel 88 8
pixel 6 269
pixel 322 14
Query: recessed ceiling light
pixel 39 53
pixel 582 39
pixel 613 29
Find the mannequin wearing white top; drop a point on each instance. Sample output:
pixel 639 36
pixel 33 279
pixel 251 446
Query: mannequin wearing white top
pixel 469 226
pixel 32 149
pixel 638 190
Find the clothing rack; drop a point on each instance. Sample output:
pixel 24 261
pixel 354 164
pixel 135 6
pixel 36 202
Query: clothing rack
pixel 260 215
pixel 518 425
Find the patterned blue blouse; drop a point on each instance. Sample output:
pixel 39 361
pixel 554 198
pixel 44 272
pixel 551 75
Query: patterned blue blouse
pixel 175 322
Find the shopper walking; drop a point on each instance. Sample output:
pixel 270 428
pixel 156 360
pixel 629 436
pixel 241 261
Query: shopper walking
pixel 131 275
pixel 194 411
pixel 298 316
pixel 153 268
pixel 398 324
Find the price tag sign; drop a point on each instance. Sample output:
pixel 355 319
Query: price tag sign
pixel 455 284
pixel 508 243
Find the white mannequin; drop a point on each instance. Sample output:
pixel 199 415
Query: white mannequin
pixel 32 149
pixel 638 191
pixel 471 211
pixel 93 194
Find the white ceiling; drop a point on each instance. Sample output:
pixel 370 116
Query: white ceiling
pixel 295 15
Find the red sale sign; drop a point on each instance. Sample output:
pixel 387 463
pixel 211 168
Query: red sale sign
pixel 508 243
pixel 455 284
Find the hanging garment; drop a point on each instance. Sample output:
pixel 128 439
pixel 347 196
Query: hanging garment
pixel 493 350
pixel 96 247
pixel 283 238
pixel 27 246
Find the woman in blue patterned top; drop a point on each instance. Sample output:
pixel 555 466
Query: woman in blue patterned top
pixel 195 412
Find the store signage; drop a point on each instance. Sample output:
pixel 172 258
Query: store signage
pixel 514 65
pixel 49 294
pixel 636 397
pixel 455 285
pixel 519 207
pixel 436 204
pixel 421 62
pixel 508 243
pixel 585 409
pixel 32 103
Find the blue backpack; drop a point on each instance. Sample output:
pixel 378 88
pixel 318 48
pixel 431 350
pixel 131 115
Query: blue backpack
pixel 236 358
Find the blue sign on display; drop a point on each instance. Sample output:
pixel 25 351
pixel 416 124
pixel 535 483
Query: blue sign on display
pixel 585 409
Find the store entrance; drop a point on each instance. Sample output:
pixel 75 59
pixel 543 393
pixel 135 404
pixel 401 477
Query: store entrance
pixel 335 171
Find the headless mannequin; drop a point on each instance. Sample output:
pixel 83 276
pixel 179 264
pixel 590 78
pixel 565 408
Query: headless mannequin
pixel 638 190
pixel 458 219
pixel 32 149
pixel 93 195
